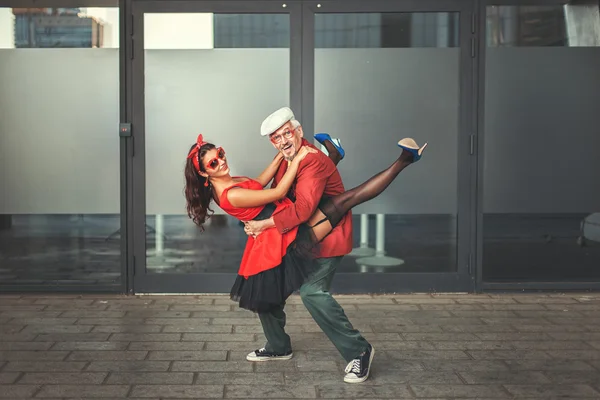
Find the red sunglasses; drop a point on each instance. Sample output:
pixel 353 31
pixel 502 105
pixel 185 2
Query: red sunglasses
pixel 214 162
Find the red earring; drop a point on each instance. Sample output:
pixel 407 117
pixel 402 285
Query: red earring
pixel 206 183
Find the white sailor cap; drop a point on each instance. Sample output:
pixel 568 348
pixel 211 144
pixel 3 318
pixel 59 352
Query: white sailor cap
pixel 276 121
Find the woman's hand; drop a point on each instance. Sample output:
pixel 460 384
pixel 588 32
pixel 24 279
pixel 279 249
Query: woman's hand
pixel 303 152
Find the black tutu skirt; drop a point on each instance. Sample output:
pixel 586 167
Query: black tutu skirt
pixel 269 289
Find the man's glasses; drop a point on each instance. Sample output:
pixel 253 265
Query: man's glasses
pixel 214 162
pixel 279 137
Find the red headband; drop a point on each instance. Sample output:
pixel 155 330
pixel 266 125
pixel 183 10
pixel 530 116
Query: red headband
pixel 196 152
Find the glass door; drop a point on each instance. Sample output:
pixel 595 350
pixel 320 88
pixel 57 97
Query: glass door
pixel 374 73
pixel 202 67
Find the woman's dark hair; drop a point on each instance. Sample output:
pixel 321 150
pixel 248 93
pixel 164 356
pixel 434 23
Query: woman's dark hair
pixel 197 195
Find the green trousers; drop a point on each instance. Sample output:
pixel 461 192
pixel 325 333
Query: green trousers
pixel 324 309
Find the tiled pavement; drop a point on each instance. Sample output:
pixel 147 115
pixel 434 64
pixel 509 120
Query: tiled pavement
pixel 509 346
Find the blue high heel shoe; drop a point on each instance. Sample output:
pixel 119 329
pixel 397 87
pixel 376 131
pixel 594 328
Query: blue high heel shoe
pixel 323 137
pixel 412 147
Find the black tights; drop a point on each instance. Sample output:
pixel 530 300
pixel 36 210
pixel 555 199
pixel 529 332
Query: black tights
pixel 331 210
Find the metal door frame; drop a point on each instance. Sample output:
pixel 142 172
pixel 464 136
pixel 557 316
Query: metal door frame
pixel 302 101
pixel 141 281
pixel 463 279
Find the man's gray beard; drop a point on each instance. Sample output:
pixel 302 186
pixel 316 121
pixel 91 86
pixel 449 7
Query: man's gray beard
pixel 289 158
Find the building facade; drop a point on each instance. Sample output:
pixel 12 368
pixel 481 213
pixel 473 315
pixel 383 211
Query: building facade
pixel 102 99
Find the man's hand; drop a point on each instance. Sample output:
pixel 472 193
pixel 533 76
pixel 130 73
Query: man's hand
pixel 255 228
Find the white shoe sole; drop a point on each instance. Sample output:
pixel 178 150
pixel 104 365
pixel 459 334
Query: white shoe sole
pixel 252 357
pixel 354 379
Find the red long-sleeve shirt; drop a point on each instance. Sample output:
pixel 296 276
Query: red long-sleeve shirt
pixel 317 175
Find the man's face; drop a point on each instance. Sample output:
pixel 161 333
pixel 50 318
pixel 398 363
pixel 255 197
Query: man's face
pixel 287 140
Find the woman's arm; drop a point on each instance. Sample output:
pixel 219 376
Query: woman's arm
pixel 254 198
pixel 265 177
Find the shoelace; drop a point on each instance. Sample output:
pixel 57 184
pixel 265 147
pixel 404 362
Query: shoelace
pixel 353 366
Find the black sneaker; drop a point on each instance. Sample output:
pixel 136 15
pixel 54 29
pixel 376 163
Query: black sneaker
pixel 264 355
pixel 357 370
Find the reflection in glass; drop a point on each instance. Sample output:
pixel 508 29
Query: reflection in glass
pixel 59 104
pixel 378 78
pixel 192 87
pixel 542 148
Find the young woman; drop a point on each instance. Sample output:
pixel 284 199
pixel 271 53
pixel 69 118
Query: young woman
pixel 274 265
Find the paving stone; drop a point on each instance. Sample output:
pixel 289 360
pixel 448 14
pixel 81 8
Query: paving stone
pixel 439 336
pixel 92 314
pixel 42 366
pixel 18 391
pixel 483 300
pixel 545 391
pixel 485 314
pixel 64 301
pixel 548 365
pixel 502 377
pixel 423 355
pixel 513 336
pixel 432 346
pixel 32 355
pixel 383 327
pixel 21 314
pixel 244 345
pixel 459 391
pixel 465 365
pixel 153 378
pixel 202 307
pixel 270 392
pixel 114 366
pixel 387 307
pixel 394 345
pixel 57 329
pixel 179 346
pixel 43 321
pixel 220 366
pixel 239 378
pixel 17 337
pixel 552 345
pixel 72 337
pixel 250 321
pixel 8 377
pixel 179 391
pixel 474 345
pixel 218 337
pixel 478 328
pixel 11 328
pixel 157 314
pixel 181 322
pixel 551 328
pixel 575 354
pixel 66 378
pixel 595 344
pixel 572 321
pixel 87 391
pixel 199 329
pixel 145 337
pixel 508 354
pixel 448 321
pixel 127 328
pixel 103 355
pixel 26 345
pixel 188 355
pixel 580 336
pixel 362 391
pixel 109 321
pixel 89 346
pixel 513 306
pixel 573 377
